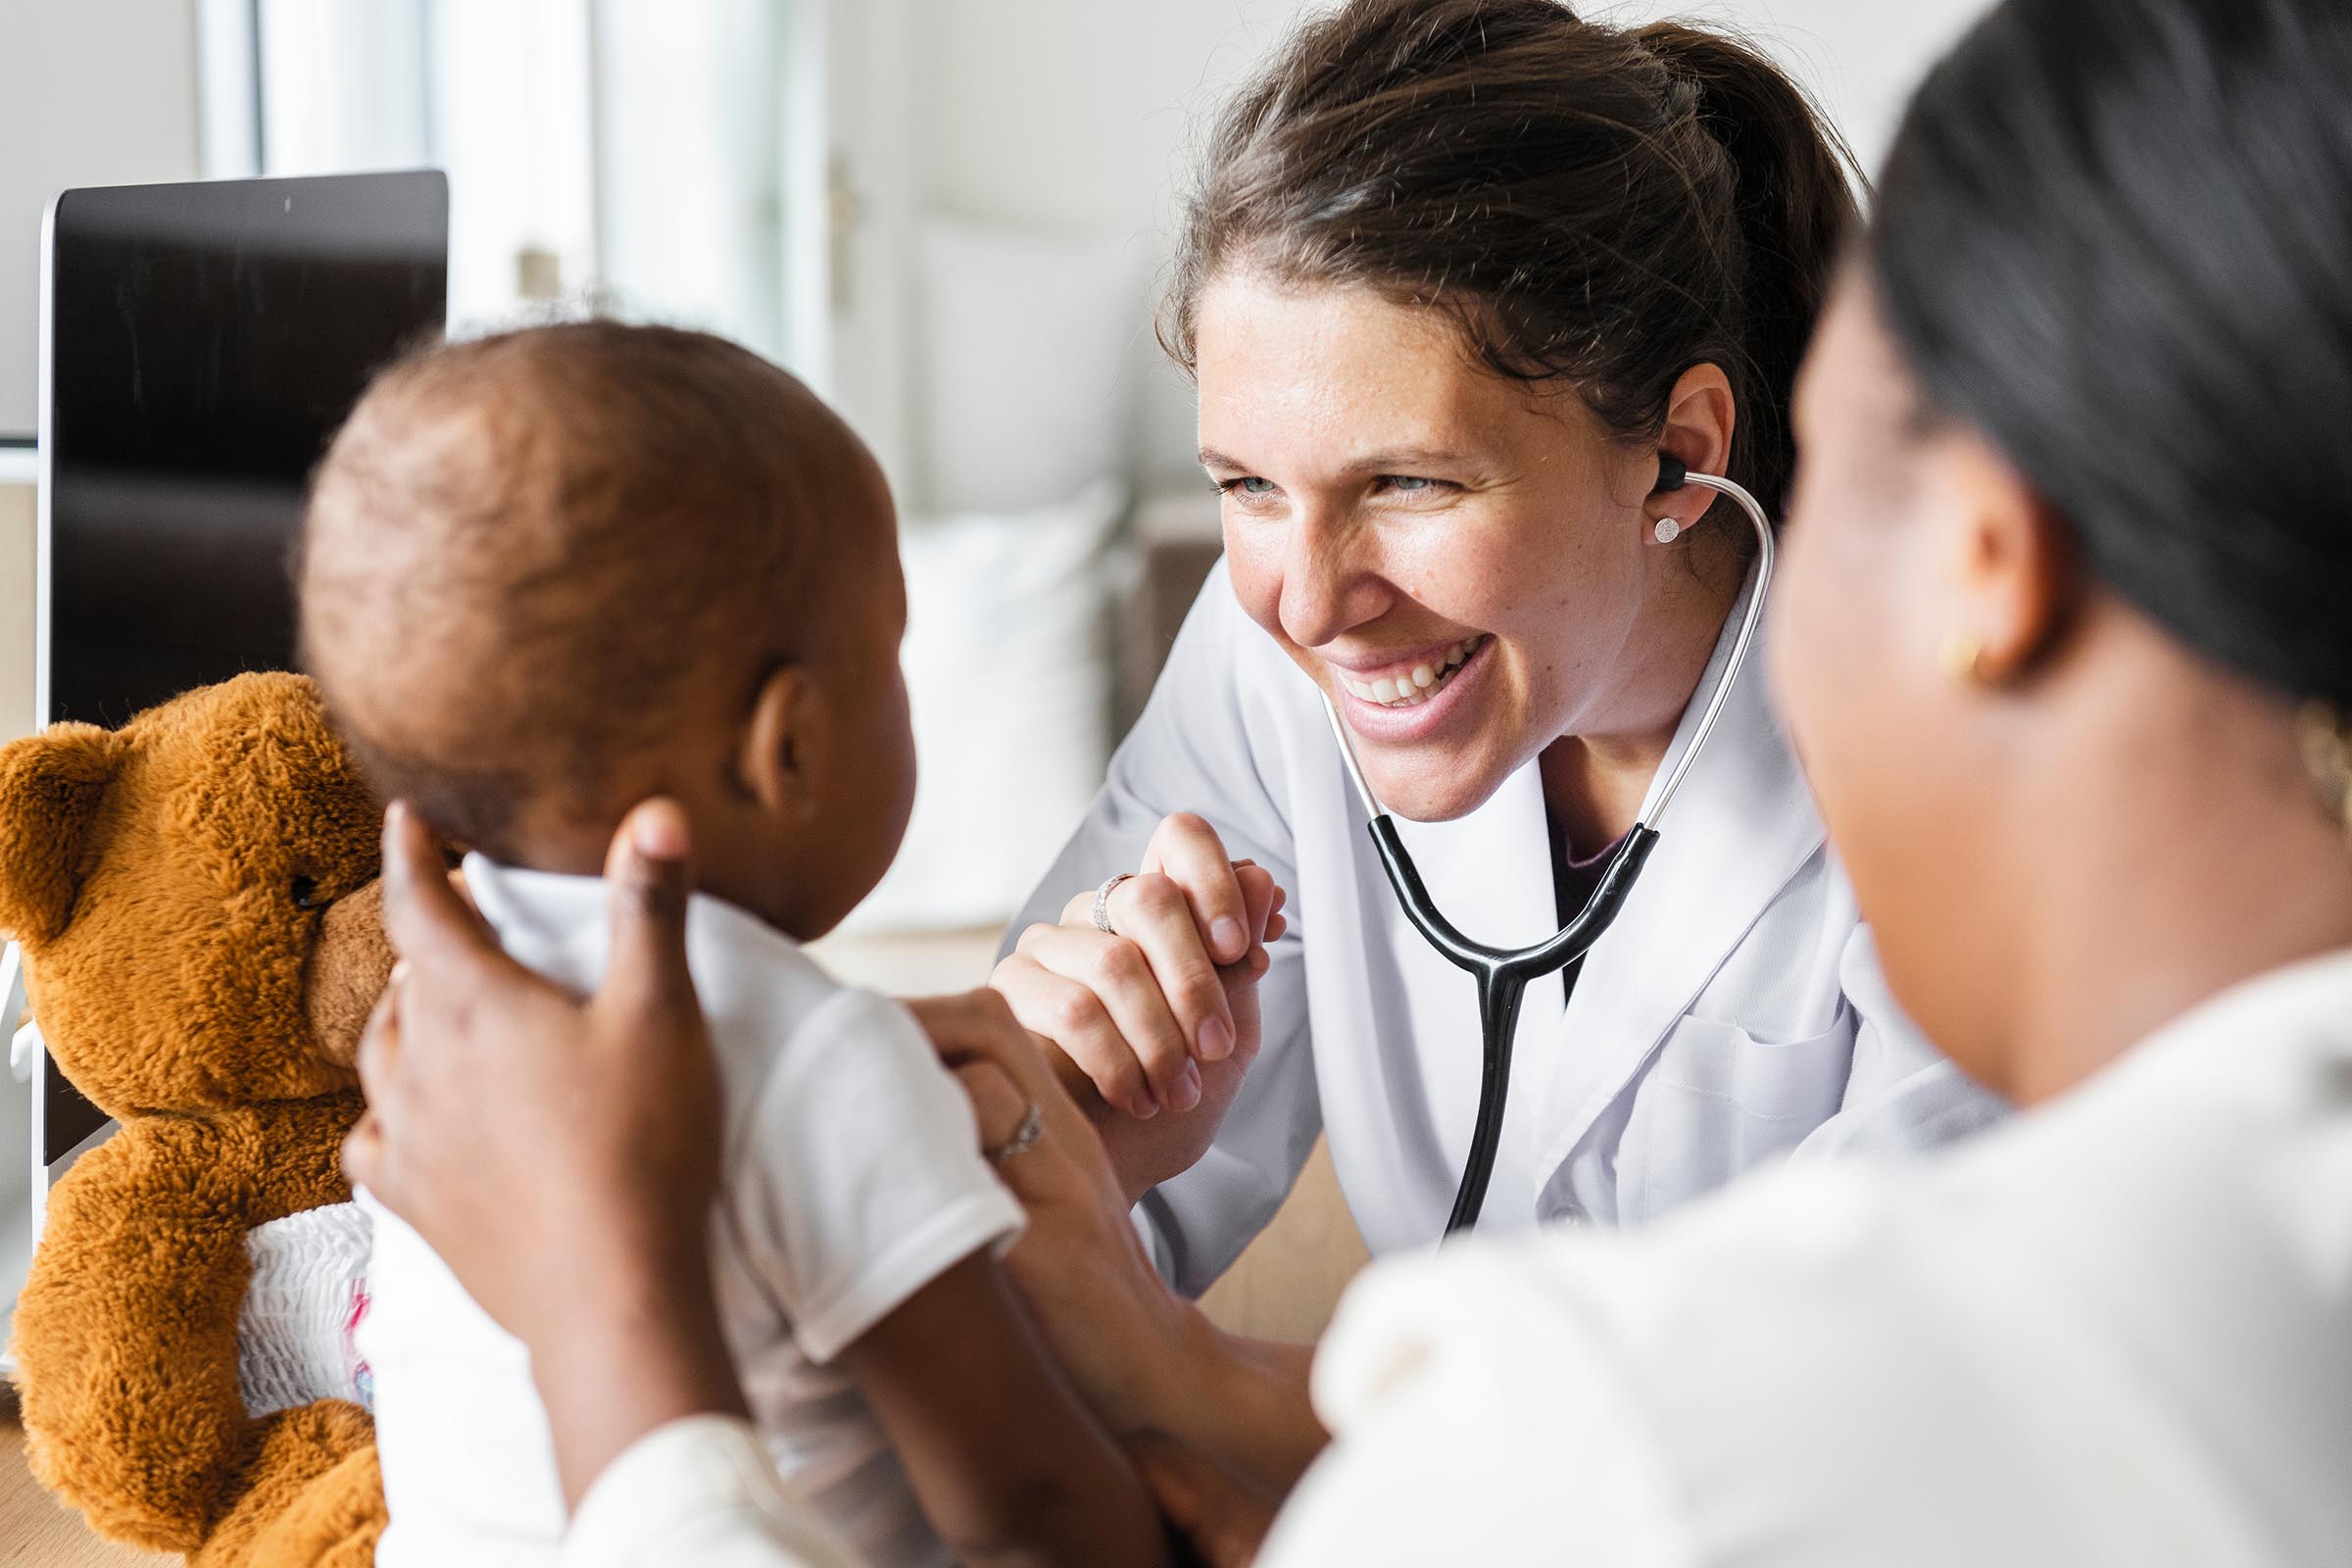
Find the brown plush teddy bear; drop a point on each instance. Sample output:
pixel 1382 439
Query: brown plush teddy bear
pixel 195 895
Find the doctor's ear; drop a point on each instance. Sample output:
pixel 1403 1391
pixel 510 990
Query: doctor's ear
pixel 781 741
pixel 2013 570
pixel 1700 417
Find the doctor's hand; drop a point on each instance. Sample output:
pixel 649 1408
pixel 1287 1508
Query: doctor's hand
pixel 1158 1017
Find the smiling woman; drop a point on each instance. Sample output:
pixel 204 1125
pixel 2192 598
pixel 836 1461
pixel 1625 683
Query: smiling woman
pixel 1458 278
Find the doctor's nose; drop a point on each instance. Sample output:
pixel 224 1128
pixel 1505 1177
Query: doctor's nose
pixel 1328 586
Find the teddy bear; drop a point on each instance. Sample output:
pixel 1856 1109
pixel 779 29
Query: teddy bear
pixel 195 897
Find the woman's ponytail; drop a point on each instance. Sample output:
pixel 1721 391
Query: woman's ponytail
pixel 1794 199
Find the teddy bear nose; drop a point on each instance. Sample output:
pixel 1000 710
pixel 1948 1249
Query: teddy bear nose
pixel 347 972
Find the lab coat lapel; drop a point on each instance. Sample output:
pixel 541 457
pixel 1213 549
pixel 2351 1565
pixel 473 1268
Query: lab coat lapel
pixel 1741 827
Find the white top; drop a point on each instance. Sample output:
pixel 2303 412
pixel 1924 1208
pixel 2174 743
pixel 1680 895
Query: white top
pixel 2118 1330
pixel 1735 1012
pixel 853 1178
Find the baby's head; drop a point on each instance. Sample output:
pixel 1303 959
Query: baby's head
pixel 546 574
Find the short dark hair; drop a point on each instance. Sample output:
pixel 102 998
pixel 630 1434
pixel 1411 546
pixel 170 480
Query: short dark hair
pixel 1597 207
pixel 520 551
pixel 2116 235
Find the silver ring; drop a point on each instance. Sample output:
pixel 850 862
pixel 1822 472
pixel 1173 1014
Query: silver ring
pixel 1025 1137
pixel 1103 901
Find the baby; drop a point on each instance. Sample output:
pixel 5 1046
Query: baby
pixel 543 576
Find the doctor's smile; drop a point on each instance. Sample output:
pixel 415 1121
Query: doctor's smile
pixel 1409 698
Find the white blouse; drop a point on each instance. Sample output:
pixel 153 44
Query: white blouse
pixel 2116 1329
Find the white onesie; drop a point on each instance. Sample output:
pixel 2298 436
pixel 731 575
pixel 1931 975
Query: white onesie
pixel 853 1178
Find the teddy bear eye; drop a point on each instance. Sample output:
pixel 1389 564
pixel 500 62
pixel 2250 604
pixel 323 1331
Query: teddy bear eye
pixel 306 892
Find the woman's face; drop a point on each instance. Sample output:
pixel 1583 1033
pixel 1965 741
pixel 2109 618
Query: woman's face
pixel 1460 563
pixel 1868 599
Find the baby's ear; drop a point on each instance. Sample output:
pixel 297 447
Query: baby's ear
pixel 51 786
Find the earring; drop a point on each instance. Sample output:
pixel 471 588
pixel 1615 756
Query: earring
pixel 2324 737
pixel 1668 529
pixel 1964 657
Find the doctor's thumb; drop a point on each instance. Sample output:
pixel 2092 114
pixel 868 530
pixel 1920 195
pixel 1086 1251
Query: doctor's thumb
pixel 648 872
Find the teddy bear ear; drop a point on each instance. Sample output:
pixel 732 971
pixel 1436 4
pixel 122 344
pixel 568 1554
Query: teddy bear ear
pixel 50 787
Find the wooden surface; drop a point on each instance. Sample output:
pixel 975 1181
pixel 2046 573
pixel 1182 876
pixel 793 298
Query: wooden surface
pixel 35 1531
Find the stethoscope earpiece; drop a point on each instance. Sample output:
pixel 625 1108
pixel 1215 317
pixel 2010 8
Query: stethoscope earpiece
pixel 1672 475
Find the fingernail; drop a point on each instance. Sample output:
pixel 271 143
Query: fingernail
pixel 1216 1040
pixel 1143 1108
pixel 1185 1093
pixel 400 970
pixel 1228 937
pixel 659 830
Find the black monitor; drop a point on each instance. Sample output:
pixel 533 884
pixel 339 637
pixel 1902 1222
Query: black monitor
pixel 200 343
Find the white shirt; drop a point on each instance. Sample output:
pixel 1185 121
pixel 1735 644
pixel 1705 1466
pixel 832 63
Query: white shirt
pixel 1734 1013
pixel 853 1178
pixel 2116 1331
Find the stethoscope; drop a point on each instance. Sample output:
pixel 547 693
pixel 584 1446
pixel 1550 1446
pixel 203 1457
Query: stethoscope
pixel 1504 974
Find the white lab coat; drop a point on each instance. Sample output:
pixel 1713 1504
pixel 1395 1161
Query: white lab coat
pixel 1735 1012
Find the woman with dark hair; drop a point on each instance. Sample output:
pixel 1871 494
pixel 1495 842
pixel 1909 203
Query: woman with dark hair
pixel 2065 637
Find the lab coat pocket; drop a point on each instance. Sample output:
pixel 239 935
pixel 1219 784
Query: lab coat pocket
pixel 1717 1101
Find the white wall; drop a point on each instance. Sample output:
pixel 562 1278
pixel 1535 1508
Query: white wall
pixel 1082 115
pixel 92 92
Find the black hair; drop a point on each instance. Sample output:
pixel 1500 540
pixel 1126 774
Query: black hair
pixel 1598 209
pixel 2116 235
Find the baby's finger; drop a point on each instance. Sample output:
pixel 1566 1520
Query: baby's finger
pixel 1188 851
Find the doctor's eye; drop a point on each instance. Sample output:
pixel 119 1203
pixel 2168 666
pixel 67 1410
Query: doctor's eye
pixel 1414 485
pixel 1249 489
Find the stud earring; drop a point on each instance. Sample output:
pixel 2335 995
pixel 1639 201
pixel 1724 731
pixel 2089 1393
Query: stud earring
pixel 1668 529
pixel 1964 657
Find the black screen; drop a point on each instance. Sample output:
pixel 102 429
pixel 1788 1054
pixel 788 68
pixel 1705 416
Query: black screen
pixel 207 340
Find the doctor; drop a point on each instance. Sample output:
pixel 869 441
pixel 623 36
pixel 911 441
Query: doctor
pixel 1456 275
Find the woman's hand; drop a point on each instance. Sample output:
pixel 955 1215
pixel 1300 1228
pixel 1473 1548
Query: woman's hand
pixel 559 1154
pixel 1079 1265
pixel 1148 1360
pixel 1160 1015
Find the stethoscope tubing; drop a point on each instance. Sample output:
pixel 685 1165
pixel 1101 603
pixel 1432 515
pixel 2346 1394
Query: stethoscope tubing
pixel 1503 974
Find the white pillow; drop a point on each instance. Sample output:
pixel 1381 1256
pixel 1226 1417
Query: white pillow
pixel 1009 675
pixel 1025 342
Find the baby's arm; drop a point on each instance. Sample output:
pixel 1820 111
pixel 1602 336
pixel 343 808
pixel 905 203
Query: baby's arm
pixel 1010 1467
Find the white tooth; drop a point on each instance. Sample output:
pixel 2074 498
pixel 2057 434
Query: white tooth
pixel 1353 687
pixel 1384 690
pixel 1424 676
pixel 1453 656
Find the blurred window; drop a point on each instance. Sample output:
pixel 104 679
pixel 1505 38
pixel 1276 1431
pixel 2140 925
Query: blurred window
pixel 632 154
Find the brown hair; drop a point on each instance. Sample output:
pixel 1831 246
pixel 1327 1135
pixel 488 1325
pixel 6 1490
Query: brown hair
pixel 522 552
pixel 1596 208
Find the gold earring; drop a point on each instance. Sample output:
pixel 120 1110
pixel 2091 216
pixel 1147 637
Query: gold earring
pixel 1964 657
pixel 2325 737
